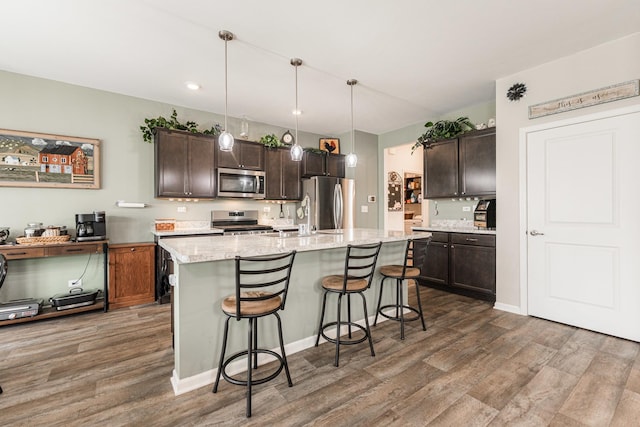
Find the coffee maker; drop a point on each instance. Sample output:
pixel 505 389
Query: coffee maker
pixel 91 226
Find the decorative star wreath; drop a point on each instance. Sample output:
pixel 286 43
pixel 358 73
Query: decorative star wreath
pixel 516 91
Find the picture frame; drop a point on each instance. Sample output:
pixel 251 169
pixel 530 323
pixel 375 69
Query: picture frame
pixel 330 145
pixel 29 159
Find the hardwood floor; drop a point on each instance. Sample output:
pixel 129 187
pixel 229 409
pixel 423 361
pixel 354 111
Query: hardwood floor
pixel 473 366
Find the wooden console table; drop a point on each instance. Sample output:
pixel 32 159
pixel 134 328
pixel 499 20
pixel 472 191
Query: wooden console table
pixel 18 252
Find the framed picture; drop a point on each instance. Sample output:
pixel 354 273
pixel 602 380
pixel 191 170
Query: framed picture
pixel 30 159
pixel 330 145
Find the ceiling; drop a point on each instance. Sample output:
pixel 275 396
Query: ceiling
pixel 414 59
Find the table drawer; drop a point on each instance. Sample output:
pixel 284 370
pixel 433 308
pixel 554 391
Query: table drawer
pixel 74 250
pixel 20 253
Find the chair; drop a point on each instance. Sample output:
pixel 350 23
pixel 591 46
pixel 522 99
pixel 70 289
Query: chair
pixel 413 258
pixel 359 267
pixel 261 290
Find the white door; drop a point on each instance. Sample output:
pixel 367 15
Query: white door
pixel 583 208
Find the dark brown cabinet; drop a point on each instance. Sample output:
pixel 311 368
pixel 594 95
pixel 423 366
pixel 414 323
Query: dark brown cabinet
pixel 282 175
pixel 322 164
pixel 245 155
pixel 461 262
pixel 131 274
pixel 464 166
pixel 184 164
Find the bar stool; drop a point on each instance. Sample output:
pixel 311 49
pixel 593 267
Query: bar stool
pixel 359 266
pixel 261 290
pixel 408 270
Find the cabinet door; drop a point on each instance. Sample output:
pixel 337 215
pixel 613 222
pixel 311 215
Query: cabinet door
pixel 171 158
pixel 229 159
pixel 441 169
pixel 336 165
pixel 474 268
pixel 435 265
pixel 282 176
pixel 252 155
pixel 201 174
pixel 273 174
pixel 131 274
pixel 478 163
pixel 313 164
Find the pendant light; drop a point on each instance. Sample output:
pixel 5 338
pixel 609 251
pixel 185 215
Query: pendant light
pixel 296 149
pixel 352 159
pixel 225 140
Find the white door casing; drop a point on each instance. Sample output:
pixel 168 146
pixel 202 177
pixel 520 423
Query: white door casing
pixel 583 265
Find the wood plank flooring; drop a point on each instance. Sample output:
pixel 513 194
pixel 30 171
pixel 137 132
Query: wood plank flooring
pixel 474 366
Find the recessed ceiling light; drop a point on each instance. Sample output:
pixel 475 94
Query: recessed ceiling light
pixel 192 85
pixel 296 112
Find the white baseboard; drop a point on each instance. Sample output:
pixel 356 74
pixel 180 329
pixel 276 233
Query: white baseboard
pixel 203 379
pixel 508 307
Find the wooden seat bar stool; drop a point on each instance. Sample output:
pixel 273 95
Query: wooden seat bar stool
pixel 359 267
pixel 408 270
pixel 261 290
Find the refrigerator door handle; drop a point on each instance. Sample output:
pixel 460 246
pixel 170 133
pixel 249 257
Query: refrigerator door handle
pixel 337 206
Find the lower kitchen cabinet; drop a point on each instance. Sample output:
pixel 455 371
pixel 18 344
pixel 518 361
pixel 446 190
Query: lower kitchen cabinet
pixel 463 263
pixel 131 274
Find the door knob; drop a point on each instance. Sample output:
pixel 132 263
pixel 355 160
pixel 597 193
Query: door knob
pixel 536 233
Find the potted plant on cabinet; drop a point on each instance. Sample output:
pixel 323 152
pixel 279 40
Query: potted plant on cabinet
pixel 442 129
pixel 173 123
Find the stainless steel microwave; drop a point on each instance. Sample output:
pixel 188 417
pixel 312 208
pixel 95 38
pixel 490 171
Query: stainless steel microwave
pixel 240 183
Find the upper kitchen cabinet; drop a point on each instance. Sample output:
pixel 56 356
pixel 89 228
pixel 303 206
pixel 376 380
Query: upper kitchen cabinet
pixel 464 166
pixel 245 155
pixel 322 164
pixel 184 164
pixel 282 175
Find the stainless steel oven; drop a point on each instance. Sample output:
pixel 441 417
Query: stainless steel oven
pixel 238 222
pixel 240 183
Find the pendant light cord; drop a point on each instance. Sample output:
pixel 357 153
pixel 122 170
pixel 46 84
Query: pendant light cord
pixel 353 134
pixel 226 90
pixel 297 112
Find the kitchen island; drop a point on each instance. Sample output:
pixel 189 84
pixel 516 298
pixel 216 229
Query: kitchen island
pixel 204 274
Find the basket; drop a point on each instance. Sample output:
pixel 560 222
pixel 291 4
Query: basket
pixel 165 224
pixel 43 240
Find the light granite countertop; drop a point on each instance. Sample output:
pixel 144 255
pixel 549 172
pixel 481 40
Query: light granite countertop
pixel 454 229
pixel 215 248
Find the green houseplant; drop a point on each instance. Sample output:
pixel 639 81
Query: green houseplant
pixel 173 123
pixel 443 129
pixel 271 141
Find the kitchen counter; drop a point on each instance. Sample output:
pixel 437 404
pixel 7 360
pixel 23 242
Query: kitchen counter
pixel 187 232
pixel 454 230
pixel 204 274
pixel 203 249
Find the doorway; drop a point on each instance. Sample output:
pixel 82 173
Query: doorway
pixel 582 228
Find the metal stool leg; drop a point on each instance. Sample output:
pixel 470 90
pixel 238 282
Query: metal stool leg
pixel 417 286
pixel 324 304
pixel 255 343
pixel 399 306
pixel 375 320
pixel 224 349
pixel 249 365
pixel 284 355
pixel 366 322
pixel 337 361
pixel 349 314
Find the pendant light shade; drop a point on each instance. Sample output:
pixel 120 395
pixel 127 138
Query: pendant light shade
pixel 296 149
pixel 225 140
pixel 352 160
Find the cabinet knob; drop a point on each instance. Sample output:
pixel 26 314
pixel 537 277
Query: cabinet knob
pixel 133 249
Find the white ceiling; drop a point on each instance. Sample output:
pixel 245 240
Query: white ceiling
pixel 414 59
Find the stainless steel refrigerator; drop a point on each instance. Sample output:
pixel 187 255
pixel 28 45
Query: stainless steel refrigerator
pixel 329 203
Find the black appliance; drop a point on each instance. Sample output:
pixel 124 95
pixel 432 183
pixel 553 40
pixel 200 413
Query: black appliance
pixel 238 222
pixel 91 226
pixel 485 214
pixel 240 183
pixel 16 309
pixel 74 298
